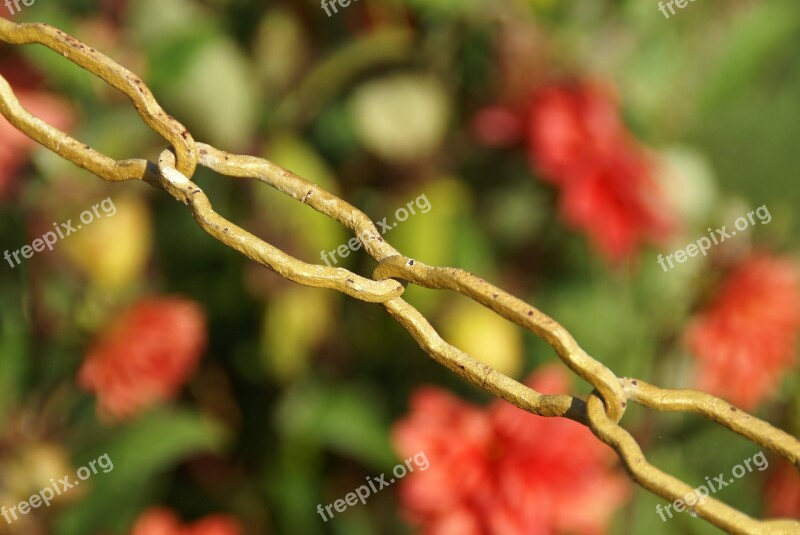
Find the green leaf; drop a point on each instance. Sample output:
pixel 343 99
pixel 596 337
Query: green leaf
pixel 607 320
pixel 419 102
pixel 216 94
pixel 444 236
pixel 378 48
pixel 311 231
pixel 756 36
pixel 343 418
pixel 140 451
pixel 152 21
pixel 297 318
pixel 14 361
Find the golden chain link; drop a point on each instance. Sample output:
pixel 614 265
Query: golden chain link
pixel 605 406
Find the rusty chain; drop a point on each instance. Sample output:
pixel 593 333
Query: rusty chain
pixel 605 405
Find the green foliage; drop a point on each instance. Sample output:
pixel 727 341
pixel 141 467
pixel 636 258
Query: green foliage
pixel 295 397
pixel 143 453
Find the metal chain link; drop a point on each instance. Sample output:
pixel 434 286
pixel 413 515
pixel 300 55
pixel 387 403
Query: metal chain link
pixel 604 407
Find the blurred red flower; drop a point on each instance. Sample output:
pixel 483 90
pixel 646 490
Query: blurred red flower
pixel 503 471
pixel 577 140
pixel 145 355
pixel 745 339
pixel 161 521
pixel 782 492
pixel 15 145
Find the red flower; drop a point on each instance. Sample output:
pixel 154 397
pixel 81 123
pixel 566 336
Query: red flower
pixel 145 355
pixel 744 341
pixel 160 521
pixel 782 492
pixel 577 140
pixel 571 128
pixel 503 471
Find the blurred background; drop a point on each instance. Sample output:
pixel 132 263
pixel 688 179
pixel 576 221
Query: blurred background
pixel 559 149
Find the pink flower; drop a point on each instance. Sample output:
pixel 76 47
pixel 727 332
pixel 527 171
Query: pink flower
pixel 503 471
pixel 161 521
pixel 744 340
pixel 145 355
pixel 573 127
pixel 16 145
pixel 577 140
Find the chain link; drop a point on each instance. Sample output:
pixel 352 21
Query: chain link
pixel 604 407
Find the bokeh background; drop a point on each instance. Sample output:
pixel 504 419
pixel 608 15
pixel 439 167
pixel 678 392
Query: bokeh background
pixel 561 146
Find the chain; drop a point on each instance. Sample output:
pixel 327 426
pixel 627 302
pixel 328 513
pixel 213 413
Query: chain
pixel 605 405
